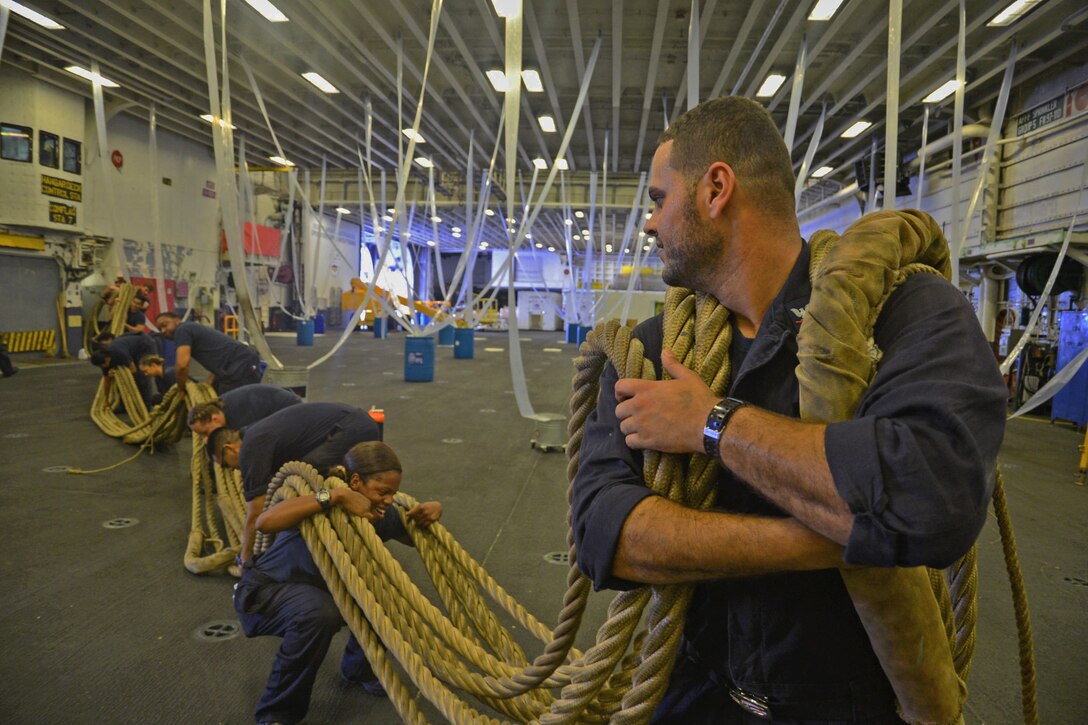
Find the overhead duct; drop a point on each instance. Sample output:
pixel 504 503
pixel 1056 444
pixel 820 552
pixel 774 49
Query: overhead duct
pixel 974 130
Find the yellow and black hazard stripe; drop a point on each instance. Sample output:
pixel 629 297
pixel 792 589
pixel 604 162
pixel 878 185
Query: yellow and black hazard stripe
pixel 30 341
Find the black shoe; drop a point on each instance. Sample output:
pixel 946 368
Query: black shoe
pixel 10 374
pixel 370 687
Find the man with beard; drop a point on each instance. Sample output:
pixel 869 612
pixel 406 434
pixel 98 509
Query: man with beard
pixel 771 630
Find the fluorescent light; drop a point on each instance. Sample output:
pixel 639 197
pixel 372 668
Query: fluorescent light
pixel 528 236
pixel 93 77
pixel 457 235
pixel 436 219
pixel 579 214
pixel 943 92
pixel 551 249
pixel 824 10
pixel 577 237
pixel 410 134
pixel 568 222
pixel 430 242
pixel 498 80
pixel 483 245
pixel 532 81
pixel 540 163
pixel 511 220
pixel 627 251
pixel 547 124
pixel 539 245
pixel 507 8
pixel 771 85
pixel 318 80
pixel 424 162
pixel 489 212
pixel 211 119
pixel 821 172
pixel 407 234
pixel 379 230
pixel 1012 13
pixel 562 165
pixel 387 218
pixel 281 161
pixel 649 214
pixel 608 247
pixel 342 210
pixel 856 130
pixel 270 12
pixel 456 230
pixel 32 15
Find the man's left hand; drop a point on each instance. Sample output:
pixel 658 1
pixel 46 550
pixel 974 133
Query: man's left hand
pixel 665 415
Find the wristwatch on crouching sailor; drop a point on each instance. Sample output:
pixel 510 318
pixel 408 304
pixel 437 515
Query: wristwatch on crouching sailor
pixel 324 498
pixel 715 423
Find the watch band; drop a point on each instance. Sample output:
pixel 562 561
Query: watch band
pixel 715 424
pixel 324 498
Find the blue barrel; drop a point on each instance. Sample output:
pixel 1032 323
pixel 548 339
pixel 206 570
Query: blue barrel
pixel 319 325
pixel 582 331
pixel 304 332
pixel 418 359
pixel 445 336
pixel 381 327
pixel 464 343
pixel 572 333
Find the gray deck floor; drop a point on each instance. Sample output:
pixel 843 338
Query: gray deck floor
pixel 97 625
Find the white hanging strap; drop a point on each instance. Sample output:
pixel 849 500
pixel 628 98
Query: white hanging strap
pixel 795 93
pixel 957 140
pixel 870 204
pixel 810 154
pixel 159 269
pixel 694 40
pixel 1053 385
pixel 992 142
pixel 891 105
pixel 922 158
pixel 4 15
pixel 115 261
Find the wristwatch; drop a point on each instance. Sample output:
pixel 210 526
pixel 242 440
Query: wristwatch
pixel 716 422
pixel 324 498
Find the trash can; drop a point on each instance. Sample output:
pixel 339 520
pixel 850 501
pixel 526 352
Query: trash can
pixel 304 333
pixel 580 335
pixel 572 333
pixel 294 379
pixel 464 343
pixel 418 358
pixel 319 325
pixel 381 327
pixel 445 336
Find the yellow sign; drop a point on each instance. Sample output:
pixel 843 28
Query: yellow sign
pixel 22 241
pixel 62 213
pixel 62 188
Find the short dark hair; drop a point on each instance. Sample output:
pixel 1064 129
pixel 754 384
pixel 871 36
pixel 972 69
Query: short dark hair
pixel 739 132
pixel 219 439
pixel 202 412
pixel 99 358
pixel 172 315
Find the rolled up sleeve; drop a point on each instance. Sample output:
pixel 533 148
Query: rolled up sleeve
pixel 916 463
pixel 607 487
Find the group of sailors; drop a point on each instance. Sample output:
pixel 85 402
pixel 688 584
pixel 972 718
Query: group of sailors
pixel 257 428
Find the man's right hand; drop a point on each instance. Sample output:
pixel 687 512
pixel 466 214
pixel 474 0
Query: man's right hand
pixel 354 503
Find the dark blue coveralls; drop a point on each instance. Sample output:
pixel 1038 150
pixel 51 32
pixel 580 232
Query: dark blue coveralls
pixel 914 465
pixel 125 350
pixel 282 594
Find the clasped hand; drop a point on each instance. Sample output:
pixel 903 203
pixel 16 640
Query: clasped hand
pixel 665 415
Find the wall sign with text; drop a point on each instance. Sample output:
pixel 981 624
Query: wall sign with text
pixel 62 188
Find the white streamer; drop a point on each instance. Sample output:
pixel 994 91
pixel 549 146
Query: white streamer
pixel 1054 385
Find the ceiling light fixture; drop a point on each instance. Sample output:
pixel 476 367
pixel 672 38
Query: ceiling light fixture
pixel 577 238
pixel 547 124
pixel 942 92
pixel 824 10
pixel 424 162
pixel 528 236
pixel 222 122
pixel 649 214
pixel 342 210
pixel 430 242
pixel 579 214
pixel 489 212
pixel 416 135
pixel 270 12
pixel 387 218
pixel 539 163
pixel 608 247
pixel 32 15
pixel 498 80
pixel 539 245
pixel 511 220
pixel 562 165
pixel 319 81
pixel 436 219
pixel 456 230
pixel 856 129
pixel 568 222
pixel 551 249
pixel 1012 13
pixel 532 81
pixel 457 235
pixel 771 85
pixel 281 161
pixel 821 172
pixel 92 77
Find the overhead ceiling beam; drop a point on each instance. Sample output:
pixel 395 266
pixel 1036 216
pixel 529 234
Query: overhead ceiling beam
pixel 580 67
pixel 651 77
pixel 705 16
pixel 617 78
pixel 796 20
pixel 750 17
